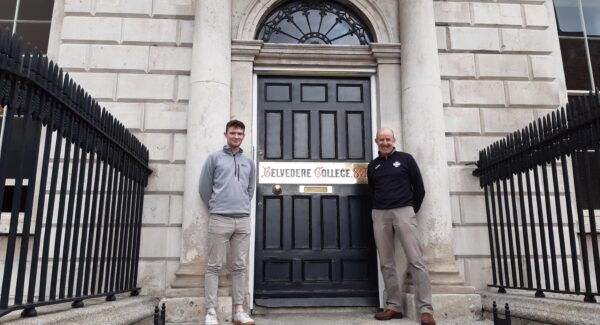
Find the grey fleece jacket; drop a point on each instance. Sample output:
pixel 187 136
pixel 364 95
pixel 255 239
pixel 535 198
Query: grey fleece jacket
pixel 227 183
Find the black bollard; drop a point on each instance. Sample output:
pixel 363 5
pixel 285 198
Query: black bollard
pixel 501 321
pixel 156 315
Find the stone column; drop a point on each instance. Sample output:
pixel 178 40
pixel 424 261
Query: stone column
pixel 208 112
pixel 423 136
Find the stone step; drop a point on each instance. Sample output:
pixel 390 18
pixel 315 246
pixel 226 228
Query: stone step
pixel 348 318
pixel 336 319
pixel 303 316
pixel 181 310
pixel 124 311
pixel 265 311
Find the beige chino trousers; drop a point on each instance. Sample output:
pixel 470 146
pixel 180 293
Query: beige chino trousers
pixel 401 223
pixel 236 232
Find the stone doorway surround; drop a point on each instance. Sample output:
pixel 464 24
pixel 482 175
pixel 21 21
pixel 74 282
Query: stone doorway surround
pixel 409 99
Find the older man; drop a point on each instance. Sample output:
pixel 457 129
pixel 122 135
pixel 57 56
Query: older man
pixel 397 193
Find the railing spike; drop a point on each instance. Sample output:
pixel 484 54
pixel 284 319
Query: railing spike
pixel 44 67
pixel 60 82
pixel 26 63
pixel 34 69
pixel 4 37
pixel 51 76
pixel 581 108
pixel 56 73
pixel 562 118
pixel 14 51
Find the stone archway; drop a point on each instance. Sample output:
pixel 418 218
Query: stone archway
pixel 369 10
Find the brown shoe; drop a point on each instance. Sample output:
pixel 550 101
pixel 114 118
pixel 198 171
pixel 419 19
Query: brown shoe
pixel 427 319
pixel 388 314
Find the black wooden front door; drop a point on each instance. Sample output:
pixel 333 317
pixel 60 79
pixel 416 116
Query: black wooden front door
pixel 314 242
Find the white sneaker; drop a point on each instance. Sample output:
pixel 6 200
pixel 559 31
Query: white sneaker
pixel 211 317
pixel 241 318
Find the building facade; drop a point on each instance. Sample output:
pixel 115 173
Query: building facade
pixel 450 77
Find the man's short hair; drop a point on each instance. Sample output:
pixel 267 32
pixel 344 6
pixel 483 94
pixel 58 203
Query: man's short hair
pixel 235 124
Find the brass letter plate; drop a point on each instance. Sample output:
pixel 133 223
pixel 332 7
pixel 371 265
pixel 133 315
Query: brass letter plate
pixel 316 189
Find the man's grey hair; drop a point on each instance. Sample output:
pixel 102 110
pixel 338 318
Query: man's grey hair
pixel 384 129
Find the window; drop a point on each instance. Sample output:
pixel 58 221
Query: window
pixel 578 23
pixel 28 18
pixel 314 22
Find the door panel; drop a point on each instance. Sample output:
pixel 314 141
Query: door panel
pixel 314 249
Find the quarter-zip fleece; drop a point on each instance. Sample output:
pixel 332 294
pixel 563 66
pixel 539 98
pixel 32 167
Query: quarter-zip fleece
pixel 227 183
pixel 395 181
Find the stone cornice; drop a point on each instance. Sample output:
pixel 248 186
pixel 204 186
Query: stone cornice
pixel 386 53
pixel 245 50
pixel 294 55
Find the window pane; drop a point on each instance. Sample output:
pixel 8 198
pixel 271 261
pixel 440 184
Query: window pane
pixel 35 9
pixel 569 19
pixel 7 9
pixel 591 15
pixel 575 64
pixel 35 33
pixel 595 56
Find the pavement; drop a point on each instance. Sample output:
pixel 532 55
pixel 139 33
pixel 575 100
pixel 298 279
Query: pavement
pixel 350 318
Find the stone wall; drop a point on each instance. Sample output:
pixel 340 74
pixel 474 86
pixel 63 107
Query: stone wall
pixel 501 68
pixel 134 57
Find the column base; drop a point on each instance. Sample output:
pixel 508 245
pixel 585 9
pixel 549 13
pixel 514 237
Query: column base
pixel 193 310
pixel 450 306
pixel 195 292
pixel 189 276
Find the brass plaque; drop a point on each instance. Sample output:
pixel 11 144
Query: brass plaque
pixel 312 173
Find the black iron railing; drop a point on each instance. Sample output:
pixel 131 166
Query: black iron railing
pixel 542 195
pixel 73 204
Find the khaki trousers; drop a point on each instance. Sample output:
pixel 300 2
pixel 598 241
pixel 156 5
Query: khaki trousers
pixel 401 223
pixel 236 232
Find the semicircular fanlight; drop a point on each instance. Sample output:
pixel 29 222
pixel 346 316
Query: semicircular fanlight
pixel 314 22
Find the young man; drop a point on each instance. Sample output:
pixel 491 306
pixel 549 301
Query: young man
pixel 226 186
pixel 397 192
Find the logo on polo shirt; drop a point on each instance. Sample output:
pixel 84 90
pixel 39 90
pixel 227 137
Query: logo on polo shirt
pixel 397 164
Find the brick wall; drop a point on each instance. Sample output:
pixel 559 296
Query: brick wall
pixel 498 72
pixel 134 57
